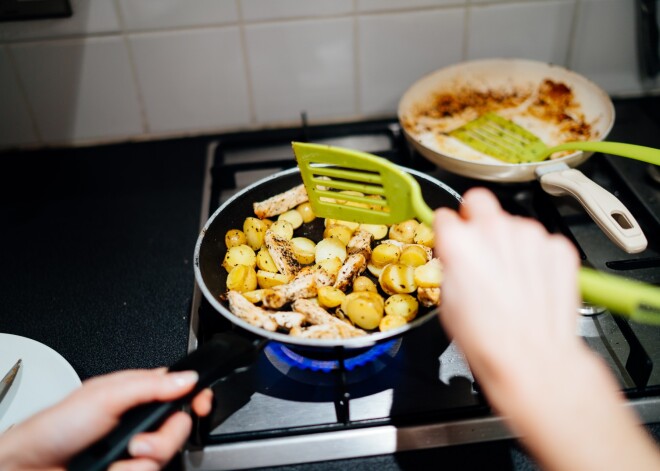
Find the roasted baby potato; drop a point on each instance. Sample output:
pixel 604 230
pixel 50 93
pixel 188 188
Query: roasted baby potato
pixel 255 230
pixel 330 297
pixel 242 278
pixel 364 308
pixel 397 278
pixel 293 217
pixel 304 250
pixel 239 255
pixel 330 248
pixel 403 305
pixel 267 279
pixel 384 254
pixel 265 261
pixel 424 235
pixel 364 283
pixel 429 275
pixel 306 211
pixel 338 231
pixel 235 237
pixel 391 321
pixel 282 228
pixel 404 231
pixel 413 255
pixel 379 231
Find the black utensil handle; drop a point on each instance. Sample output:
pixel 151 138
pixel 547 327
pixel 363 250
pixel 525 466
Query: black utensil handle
pixel 223 356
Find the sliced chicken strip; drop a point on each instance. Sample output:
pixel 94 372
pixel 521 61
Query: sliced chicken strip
pixel 244 309
pixel 281 203
pixel 304 285
pixel 360 242
pixel 353 266
pixel 287 320
pixel 324 332
pixel 429 297
pixel 316 315
pixel 281 252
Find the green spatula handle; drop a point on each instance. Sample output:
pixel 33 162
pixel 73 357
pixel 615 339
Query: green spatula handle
pixel 640 302
pixel 645 154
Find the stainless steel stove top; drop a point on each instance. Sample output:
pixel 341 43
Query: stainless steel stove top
pixel 421 394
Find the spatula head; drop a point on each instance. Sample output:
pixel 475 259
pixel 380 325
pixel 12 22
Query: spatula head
pixel 500 138
pixel 355 186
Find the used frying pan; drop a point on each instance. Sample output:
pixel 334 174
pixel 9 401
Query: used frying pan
pixel 427 133
pixel 232 351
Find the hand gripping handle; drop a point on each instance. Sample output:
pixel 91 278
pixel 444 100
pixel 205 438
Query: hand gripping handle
pixel 226 354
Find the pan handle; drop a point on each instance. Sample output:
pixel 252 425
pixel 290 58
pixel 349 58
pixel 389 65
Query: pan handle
pixel 604 208
pixel 226 354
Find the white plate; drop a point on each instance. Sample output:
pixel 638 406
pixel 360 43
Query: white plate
pixel 44 378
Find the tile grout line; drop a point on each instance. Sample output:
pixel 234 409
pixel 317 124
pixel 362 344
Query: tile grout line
pixel 131 63
pixel 24 96
pixel 252 107
pixel 357 55
pixel 572 34
pixel 465 47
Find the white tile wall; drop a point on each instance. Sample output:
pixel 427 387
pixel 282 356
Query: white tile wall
pixel 302 66
pixel 270 10
pixel 79 89
pixel 162 14
pixel 533 30
pixel 121 69
pixel 416 43
pixel 604 41
pixel 191 79
pixel 381 5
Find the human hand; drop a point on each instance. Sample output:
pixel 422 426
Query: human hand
pixel 52 437
pixel 510 295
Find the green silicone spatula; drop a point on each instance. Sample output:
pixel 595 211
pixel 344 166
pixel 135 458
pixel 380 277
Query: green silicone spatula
pixel 333 175
pixel 355 186
pixel 498 137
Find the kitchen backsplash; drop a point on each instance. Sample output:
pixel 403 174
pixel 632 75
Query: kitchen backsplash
pixel 141 69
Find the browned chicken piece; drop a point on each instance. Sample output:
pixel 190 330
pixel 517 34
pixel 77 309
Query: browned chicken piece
pixel 318 316
pixel 281 252
pixel 281 203
pixel 304 285
pixel 360 243
pixel 353 266
pixel 429 297
pixel 331 331
pixel 287 320
pixel 244 309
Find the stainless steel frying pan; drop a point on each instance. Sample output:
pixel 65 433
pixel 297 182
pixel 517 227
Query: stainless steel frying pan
pixel 557 176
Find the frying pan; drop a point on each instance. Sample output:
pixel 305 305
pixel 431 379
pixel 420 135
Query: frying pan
pixel 232 351
pixel 210 251
pixel 556 176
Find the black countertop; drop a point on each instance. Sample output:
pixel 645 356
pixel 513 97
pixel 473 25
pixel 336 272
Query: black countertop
pixel 96 248
pixel 96 251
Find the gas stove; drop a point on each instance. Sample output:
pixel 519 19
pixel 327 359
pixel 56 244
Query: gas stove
pixel 416 392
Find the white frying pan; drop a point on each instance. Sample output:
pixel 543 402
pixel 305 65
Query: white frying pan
pixel 591 105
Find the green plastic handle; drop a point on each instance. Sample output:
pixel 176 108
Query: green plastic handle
pixel 638 301
pixel 645 154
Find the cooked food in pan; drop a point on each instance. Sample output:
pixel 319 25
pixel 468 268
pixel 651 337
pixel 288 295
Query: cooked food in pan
pixel 548 109
pixel 355 279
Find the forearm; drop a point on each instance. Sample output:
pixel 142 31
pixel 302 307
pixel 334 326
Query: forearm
pixel 580 422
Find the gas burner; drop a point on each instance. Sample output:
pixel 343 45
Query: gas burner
pixel 315 367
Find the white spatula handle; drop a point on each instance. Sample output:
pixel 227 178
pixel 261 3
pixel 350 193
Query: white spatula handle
pixel 603 207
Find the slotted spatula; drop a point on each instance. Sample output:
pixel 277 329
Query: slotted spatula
pixel 395 194
pixel 335 177
pixel 498 137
